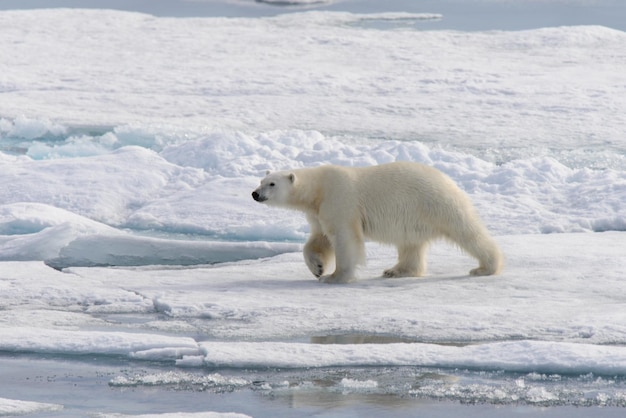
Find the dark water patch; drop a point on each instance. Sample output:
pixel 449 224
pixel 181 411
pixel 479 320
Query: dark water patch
pixel 294 3
pixel 396 22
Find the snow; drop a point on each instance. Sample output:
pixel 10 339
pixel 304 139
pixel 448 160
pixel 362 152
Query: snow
pixel 565 320
pixel 315 70
pixel 182 188
pixel 102 250
pixel 130 144
pixel 523 356
pixel 11 407
pixel 38 340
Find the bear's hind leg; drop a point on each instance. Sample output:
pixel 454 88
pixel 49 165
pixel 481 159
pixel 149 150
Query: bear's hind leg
pixel 479 244
pixel 411 262
pixel 318 253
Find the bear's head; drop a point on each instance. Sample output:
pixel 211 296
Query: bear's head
pixel 275 188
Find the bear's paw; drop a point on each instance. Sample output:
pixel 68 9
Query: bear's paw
pixel 481 271
pixel 315 264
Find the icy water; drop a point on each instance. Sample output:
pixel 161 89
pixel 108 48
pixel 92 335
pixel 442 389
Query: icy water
pixel 86 386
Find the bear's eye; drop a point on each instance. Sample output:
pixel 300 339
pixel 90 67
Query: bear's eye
pixel 272 184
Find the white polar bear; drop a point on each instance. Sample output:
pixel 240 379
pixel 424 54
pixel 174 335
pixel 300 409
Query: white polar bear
pixel 405 204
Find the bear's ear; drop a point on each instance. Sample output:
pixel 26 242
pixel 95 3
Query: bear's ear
pixel 267 173
pixel 292 178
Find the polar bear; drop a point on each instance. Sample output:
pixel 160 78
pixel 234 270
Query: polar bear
pixel 405 204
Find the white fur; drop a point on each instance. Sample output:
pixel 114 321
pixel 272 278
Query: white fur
pixel 404 204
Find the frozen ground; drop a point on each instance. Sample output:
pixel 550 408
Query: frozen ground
pixel 134 263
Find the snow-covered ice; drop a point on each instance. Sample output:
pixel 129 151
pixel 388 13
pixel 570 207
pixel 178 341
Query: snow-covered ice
pixel 129 145
pixel 317 71
pixel 11 407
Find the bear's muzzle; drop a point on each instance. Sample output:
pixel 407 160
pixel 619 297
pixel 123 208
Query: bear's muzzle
pixel 256 196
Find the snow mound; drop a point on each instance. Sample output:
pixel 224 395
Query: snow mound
pixel 11 407
pixel 37 231
pixel 132 345
pixel 515 356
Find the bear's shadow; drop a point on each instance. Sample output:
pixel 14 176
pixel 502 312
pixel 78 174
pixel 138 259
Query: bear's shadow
pixel 363 282
pixel 379 281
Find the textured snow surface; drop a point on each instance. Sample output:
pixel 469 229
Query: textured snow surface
pixel 129 145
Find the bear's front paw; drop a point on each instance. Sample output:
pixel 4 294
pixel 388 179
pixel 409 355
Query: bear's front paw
pixel 315 264
pixel 390 274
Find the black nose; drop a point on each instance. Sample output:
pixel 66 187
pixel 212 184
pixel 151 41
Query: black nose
pixel 255 196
